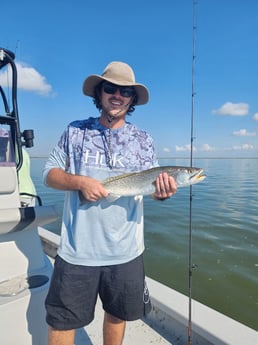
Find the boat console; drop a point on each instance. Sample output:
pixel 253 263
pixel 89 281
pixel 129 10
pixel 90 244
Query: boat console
pixel 25 269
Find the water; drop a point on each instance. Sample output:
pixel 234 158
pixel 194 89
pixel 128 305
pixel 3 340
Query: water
pixel 224 235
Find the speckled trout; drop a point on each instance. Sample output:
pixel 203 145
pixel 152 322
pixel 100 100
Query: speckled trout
pixel 143 182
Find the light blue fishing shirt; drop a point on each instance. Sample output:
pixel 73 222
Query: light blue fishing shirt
pixel 108 231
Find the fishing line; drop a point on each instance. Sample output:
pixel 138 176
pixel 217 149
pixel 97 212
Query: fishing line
pixel 191 266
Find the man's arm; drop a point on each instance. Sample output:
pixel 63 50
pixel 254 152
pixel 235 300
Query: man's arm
pixel 91 188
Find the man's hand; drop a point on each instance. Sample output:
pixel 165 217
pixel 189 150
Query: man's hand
pixel 92 189
pixel 165 187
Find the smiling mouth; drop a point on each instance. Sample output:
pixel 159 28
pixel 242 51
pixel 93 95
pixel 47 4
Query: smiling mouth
pixel 115 102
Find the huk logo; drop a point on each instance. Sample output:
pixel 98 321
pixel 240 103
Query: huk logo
pixel 98 158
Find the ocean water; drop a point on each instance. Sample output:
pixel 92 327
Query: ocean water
pixel 224 235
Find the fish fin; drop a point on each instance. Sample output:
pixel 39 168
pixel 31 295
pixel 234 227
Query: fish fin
pixel 81 197
pixel 112 197
pixel 83 201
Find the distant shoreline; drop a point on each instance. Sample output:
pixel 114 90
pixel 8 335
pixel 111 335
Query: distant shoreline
pixel 162 158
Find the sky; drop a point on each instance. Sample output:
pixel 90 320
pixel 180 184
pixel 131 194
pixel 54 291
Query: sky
pixel 58 43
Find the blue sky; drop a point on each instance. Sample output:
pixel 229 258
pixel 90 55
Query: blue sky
pixel 59 43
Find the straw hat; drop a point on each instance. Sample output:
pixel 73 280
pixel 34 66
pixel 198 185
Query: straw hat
pixel 118 73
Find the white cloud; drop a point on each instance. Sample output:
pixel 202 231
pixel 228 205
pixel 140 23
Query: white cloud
pixel 184 148
pixel 244 147
pixel 232 109
pixel 255 117
pixel 29 79
pixel 207 148
pixel 244 133
pixel 166 149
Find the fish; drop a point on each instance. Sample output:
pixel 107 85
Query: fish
pixel 143 182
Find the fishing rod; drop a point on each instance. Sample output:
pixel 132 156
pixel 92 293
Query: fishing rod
pixel 191 266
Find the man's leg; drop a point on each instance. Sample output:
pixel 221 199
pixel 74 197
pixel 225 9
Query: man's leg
pixel 113 330
pixel 71 300
pixel 56 337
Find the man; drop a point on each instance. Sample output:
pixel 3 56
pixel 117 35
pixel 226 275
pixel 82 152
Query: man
pixel 101 240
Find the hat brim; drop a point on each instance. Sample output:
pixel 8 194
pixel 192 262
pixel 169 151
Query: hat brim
pixel 92 81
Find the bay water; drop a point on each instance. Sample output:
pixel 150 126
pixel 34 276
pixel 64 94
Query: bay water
pixel 224 235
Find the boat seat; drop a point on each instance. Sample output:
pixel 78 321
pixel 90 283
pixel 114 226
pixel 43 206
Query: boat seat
pixel 9 192
pixel 13 217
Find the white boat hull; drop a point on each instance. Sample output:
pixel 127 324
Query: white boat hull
pixel 24 280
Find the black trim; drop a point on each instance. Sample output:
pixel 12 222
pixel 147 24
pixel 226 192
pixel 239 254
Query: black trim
pixel 28 216
pixel 37 281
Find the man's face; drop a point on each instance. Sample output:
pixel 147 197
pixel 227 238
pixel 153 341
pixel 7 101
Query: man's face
pixel 116 100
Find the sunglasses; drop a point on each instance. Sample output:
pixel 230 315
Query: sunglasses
pixel 125 91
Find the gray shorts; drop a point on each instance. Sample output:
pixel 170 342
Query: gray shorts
pixel 74 289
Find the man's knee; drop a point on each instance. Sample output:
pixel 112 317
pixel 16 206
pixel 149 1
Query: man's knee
pixel 60 337
pixel 113 319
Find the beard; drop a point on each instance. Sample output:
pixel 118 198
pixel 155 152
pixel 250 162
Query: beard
pixel 115 112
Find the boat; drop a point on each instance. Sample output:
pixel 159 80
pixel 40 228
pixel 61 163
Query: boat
pixel 25 269
pixel 28 249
